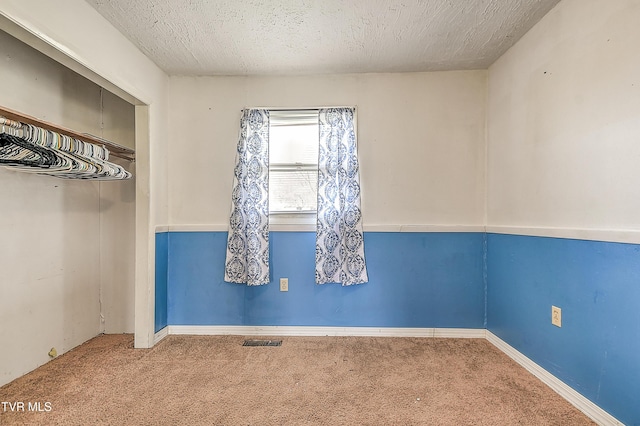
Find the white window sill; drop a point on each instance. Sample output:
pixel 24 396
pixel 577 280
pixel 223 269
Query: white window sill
pixel 292 222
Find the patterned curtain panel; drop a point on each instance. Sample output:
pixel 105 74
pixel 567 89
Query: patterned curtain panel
pixel 248 241
pixel 339 238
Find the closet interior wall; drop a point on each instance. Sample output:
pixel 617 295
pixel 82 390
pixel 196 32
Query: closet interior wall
pixel 67 249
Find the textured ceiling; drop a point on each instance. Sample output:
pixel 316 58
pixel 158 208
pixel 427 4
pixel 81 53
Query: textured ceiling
pixel 262 37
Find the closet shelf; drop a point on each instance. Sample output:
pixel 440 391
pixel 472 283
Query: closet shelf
pixel 114 149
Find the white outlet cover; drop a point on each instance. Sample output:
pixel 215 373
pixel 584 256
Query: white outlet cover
pixel 556 316
pixel 284 284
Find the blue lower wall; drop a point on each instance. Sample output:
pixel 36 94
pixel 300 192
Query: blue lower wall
pixel 597 286
pixel 162 261
pixel 415 280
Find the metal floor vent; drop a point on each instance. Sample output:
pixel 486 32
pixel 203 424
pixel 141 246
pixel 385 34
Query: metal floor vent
pixel 262 343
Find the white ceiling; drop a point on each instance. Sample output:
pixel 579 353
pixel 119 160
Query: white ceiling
pixel 264 37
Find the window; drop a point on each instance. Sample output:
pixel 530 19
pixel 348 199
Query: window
pixel 293 165
pixel 301 185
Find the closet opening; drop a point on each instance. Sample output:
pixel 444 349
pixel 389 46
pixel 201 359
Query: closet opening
pixel 68 252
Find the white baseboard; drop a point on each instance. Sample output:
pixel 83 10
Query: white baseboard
pixel 214 330
pixel 160 335
pixel 590 409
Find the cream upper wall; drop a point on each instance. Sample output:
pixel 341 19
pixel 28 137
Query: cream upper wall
pixel 420 141
pixel 564 121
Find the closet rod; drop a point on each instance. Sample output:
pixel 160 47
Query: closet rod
pixel 114 149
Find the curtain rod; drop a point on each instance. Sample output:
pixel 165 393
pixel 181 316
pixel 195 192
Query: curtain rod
pixel 298 108
pixel 114 149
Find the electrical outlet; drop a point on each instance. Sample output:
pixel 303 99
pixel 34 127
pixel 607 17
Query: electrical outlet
pixel 556 316
pixel 284 284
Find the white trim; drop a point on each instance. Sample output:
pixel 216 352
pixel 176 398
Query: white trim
pixel 424 228
pixel 442 228
pixel 630 236
pixel 60 52
pixel 583 404
pixel 311 227
pixel 199 228
pixel 243 330
pixel 381 228
pixel 160 335
pixel 460 333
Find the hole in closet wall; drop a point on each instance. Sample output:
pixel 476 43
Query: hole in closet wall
pixel 67 251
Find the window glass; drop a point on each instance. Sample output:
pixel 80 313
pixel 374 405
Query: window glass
pixel 293 191
pixel 293 161
pixel 293 144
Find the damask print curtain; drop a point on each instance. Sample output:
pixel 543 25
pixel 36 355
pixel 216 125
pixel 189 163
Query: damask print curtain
pixel 339 238
pixel 247 259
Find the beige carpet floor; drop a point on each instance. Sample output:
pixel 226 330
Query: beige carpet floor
pixel 190 380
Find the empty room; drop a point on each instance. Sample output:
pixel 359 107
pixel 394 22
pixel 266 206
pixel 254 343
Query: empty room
pixel 320 212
